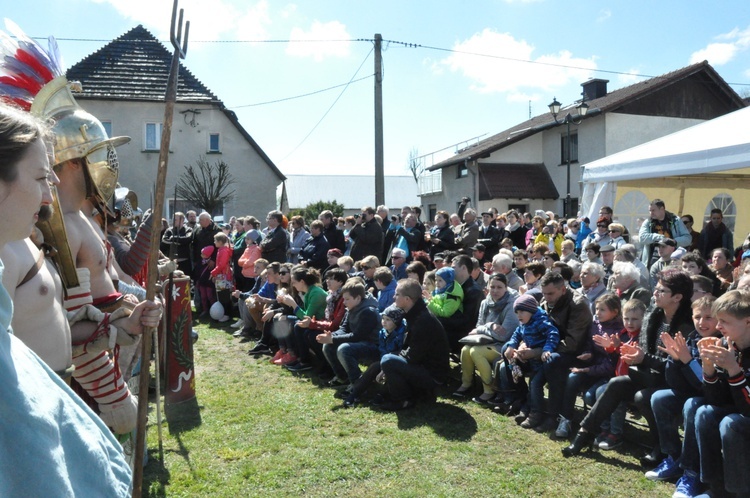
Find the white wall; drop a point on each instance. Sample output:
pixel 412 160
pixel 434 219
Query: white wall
pixel 624 131
pixel 255 182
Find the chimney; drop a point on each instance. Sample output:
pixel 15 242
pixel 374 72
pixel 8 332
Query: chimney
pixel 594 88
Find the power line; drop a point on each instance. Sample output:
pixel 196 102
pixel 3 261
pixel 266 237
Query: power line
pixel 331 107
pixel 527 61
pixel 395 42
pixel 304 94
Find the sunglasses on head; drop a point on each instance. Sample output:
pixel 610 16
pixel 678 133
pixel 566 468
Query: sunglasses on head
pixel 283 273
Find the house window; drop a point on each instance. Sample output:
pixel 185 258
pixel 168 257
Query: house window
pixel 432 210
pixel 573 148
pixel 463 171
pixel 152 136
pixel 108 127
pixel 213 142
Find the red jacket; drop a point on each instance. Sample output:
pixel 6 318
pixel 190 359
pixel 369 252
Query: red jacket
pixel 223 260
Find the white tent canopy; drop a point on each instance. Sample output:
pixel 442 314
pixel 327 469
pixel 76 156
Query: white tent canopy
pixel 716 146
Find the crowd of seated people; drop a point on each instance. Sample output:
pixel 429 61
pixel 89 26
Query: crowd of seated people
pixel 518 303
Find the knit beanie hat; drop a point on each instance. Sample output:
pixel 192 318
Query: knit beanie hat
pixel 253 235
pixel 447 274
pixel 526 303
pixel 207 252
pixel 394 313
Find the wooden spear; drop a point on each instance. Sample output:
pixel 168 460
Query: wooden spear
pixel 180 49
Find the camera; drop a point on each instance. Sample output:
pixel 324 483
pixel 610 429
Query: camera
pixel 466 200
pixel 356 216
pixel 396 217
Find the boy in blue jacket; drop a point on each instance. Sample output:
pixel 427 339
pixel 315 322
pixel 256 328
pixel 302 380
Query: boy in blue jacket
pixel 535 335
pixel 390 340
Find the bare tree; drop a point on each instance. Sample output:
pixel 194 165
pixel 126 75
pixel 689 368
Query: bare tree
pixel 416 164
pixel 206 185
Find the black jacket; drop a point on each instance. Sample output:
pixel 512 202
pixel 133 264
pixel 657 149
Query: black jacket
pixel 179 240
pixel 203 237
pixel 315 252
pixel 274 246
pixel 368 240
pixel 442 240
pixel 335 237
pixel 425 342
pixel 461 323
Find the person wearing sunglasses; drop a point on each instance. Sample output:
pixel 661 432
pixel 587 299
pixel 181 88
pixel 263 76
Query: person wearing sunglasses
pixel 616 231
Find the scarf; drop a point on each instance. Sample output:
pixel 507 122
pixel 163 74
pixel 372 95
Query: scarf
pixel 331 300
pixel 513 227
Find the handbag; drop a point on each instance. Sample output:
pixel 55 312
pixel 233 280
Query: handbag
pixel 476 340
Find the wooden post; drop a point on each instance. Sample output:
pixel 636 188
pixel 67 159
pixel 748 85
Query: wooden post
pixel 159 195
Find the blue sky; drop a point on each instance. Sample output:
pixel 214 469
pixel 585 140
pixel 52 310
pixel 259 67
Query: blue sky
pixel 433 97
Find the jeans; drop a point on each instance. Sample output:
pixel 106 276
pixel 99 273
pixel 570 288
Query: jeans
pixel 555 372
pixel 345 358
pixel 690 457
pixel 513 391
pixel 667 407
pixel 405 381
pixel 723 438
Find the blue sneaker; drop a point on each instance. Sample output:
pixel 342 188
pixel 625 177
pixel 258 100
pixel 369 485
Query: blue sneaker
pixel 665 471
pixel 687 487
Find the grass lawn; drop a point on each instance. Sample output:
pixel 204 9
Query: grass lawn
pixel 259 430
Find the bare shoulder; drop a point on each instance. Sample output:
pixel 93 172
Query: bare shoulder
pixel 18 257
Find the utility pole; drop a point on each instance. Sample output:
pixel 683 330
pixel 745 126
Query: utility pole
pixel 379 175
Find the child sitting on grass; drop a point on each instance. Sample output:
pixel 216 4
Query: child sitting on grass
pixel 448 296
pixel 684 377
pixel 390 340
pixel 595 366
pixel 632 313
pixel 535 335
pixel 722 425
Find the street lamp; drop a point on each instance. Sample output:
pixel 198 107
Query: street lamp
pixel 582 109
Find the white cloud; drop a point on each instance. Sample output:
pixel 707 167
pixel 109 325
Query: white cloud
pixel 725 49
pixel 604 14
pixel 289 10
pixel 214 20
pixel 517 78
pixel 715 53
pixel 629 78
pixel 303 42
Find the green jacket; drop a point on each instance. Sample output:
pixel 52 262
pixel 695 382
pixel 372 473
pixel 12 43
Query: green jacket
pixel 448 302
pixel 314 304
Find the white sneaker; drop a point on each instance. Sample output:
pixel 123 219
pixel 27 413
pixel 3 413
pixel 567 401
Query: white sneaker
pixel 563 428
pixel 238 324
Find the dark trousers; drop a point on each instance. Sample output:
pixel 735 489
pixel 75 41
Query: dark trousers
pixel 405 381
pixel 618 389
